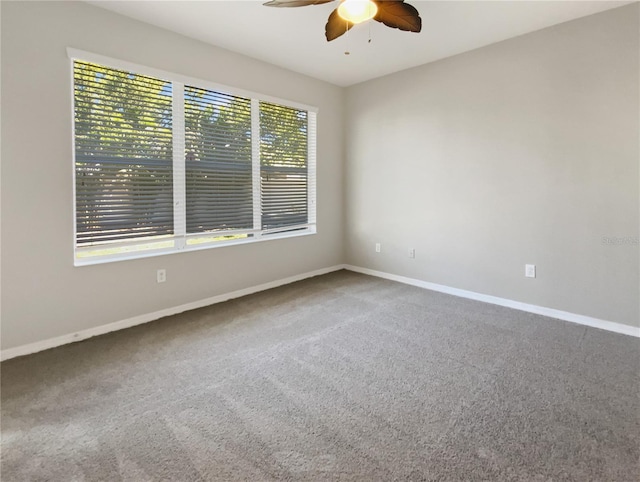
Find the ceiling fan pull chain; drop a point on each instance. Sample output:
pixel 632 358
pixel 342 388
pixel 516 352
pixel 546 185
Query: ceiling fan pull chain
pixel 346 52
pixel 369 23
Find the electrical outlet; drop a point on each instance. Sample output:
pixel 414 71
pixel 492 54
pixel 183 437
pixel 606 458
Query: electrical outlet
pixel 378 247
pixel 412 253
pixel 530 270
pixel 161 275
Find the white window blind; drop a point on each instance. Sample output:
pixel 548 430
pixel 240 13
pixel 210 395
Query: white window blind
pixel 123 155
pixel 218 161
pixel 165 163
pixel 283 166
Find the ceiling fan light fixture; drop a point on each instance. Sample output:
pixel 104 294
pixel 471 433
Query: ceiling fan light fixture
pixel 357 11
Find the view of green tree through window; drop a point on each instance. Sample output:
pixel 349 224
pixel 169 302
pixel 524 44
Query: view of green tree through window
pixel 164 165
pixel 283 165
pixel 218 161
pixel 123 155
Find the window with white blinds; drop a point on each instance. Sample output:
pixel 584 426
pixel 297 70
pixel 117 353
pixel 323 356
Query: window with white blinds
pixel 164 163
pixel 218 161
pixel 283 166
pixel 124 155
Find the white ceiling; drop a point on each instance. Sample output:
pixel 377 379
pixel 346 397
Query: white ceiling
pixel 293 38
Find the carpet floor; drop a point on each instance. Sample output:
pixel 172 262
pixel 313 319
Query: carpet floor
pixel 339 377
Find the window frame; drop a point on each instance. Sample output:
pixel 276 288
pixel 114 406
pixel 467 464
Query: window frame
pixel 179 239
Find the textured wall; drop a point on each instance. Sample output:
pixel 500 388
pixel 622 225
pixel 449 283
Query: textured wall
pixel 525 151
pixel 43 295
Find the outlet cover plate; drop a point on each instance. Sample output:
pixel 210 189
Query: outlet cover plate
pixel 530 270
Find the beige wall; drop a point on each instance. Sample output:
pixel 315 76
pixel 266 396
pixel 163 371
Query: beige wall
pixel 43 295
pixel 525 151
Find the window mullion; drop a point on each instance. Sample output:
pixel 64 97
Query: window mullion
pixel 179 176
pixel 311 168
pixel 255 166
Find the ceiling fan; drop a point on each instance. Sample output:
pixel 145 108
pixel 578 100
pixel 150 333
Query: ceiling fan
pixel 392 13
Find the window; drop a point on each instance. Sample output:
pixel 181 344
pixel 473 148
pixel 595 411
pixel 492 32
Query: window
pixel 164 163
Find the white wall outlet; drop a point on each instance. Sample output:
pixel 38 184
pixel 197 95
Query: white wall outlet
pixel 530 270
pixel 161 275
pixel 412 253
pixel 378 247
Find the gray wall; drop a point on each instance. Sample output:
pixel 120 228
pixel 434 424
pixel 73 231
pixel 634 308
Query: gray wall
pixel 521 152
pixel 43 295
pixel 525 151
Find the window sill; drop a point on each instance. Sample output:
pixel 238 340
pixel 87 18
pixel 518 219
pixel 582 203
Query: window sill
pixel 199 247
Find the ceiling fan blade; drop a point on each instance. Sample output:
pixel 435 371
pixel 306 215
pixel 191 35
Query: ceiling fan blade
pixel 336 26
pixel 397 14
pixel 294 3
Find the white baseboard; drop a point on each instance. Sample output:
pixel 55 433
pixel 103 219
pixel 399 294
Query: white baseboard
pixel 539 310
pixel 138 320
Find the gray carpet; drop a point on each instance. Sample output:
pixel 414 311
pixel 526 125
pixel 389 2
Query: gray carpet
pixel 340 377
